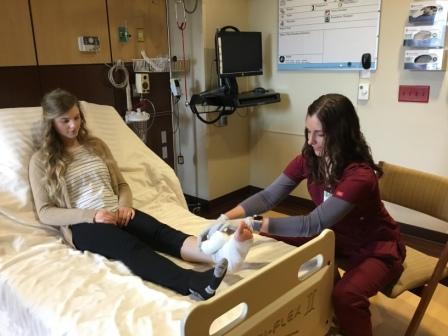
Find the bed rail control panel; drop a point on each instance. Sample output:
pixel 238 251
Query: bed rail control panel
pixel 89 43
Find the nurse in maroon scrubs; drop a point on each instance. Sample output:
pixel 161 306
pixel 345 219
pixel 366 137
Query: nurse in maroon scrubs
pixel 342 179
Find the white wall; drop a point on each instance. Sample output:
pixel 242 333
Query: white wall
pixel 223 152
pixel 256 149
pixel 410 134
pixel 190 138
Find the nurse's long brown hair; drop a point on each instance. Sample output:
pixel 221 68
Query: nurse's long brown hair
pixel 344 141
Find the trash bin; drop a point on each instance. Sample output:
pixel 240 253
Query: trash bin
pixel 138 121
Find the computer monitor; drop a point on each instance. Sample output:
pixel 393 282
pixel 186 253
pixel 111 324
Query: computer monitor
pixel 239 53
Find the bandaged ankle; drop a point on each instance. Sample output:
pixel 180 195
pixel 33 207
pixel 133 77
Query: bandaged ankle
pixel 234 251
pixel 216 241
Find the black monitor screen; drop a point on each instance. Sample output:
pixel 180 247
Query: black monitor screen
pixel 239 54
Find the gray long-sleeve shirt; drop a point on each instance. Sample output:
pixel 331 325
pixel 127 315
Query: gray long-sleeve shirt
pixel 323 216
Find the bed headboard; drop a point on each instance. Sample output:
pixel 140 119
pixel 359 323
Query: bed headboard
pixel 291 296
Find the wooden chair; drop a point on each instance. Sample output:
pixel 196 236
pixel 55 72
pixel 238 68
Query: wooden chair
pixel 426 193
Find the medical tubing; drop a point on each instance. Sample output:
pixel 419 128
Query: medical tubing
pixel 220 110
pixel 182 26
pixel 118 66
pixel 194 7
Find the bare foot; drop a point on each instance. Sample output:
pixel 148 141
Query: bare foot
pixel 243 232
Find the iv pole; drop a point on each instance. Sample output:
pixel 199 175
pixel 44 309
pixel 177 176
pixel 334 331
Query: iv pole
pixel 195 207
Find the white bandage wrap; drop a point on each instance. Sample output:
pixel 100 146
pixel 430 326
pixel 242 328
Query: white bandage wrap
pixel 212 245
pixel 234 251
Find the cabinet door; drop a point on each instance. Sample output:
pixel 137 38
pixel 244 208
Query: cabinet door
pixel 16 37
pixel 144 17
pixel 58 24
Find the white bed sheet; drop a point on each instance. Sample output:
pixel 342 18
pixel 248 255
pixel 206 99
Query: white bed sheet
pixel 47 288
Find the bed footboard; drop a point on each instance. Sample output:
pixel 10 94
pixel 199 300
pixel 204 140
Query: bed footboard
pixel 291 296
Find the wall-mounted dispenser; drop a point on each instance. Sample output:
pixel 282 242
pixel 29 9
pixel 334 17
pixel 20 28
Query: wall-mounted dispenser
pixel 424 36
pixel 425 59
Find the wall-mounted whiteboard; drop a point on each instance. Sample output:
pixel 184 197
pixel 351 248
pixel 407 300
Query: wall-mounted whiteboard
pixel 327 34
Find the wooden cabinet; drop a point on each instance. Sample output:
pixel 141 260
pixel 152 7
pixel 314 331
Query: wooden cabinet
pixel 16 34
pixel 58 24
pixel 146 16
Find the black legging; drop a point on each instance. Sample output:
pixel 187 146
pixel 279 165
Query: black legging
pixel 135 246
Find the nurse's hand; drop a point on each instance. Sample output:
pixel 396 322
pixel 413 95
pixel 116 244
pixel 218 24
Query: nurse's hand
pixel 124 215
pixel 220 224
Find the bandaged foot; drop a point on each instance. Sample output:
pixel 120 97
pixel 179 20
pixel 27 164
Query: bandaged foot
pixel 216 242
pixel 235 248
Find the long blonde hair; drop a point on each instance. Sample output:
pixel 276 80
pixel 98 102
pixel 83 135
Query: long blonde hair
pixel 54 154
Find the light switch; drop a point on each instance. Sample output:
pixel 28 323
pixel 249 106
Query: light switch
pixel 140 35
pixel 363 91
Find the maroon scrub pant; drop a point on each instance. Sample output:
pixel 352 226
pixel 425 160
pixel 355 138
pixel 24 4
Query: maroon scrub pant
pixel 351 292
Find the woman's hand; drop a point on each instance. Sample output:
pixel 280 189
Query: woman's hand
pixel 105 217
pixel 124 215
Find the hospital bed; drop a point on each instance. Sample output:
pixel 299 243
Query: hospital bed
pixel 48 288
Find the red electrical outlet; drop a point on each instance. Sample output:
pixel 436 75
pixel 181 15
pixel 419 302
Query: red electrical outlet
pixel 413 93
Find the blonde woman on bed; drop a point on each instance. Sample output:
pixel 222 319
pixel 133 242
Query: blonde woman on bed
pixel 77 186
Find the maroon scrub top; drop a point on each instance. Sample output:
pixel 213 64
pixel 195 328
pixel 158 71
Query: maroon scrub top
pixel 368 230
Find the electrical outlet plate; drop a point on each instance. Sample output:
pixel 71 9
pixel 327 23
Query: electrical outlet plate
pixel 175 87
pixel 142 85
pixel 413 93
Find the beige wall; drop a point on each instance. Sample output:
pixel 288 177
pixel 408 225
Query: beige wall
pixel 190 137
pixel 222 153
pixel 410 134
pixel 227 147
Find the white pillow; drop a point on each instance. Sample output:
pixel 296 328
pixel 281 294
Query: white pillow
pixel 19 128
pixel 151 179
